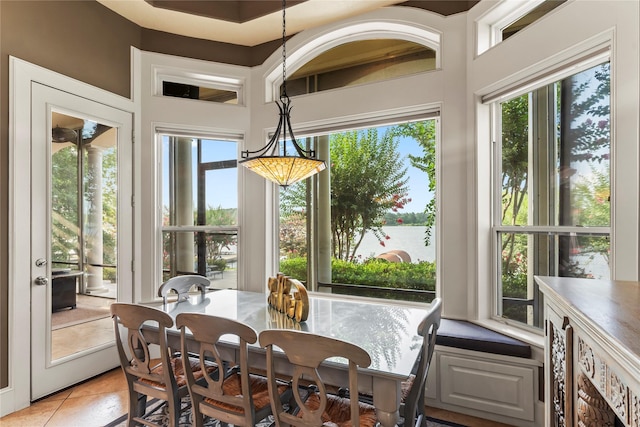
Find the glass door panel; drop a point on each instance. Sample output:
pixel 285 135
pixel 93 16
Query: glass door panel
pixel 83 233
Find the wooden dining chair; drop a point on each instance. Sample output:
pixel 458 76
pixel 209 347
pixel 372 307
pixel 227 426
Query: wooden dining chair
pixel 234 395
pixel 412 405
pixel 412 409
pixel 162 377
pixel 305 352
pixel 182 285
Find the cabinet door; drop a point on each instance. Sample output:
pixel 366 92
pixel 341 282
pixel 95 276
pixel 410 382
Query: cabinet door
pixel 559 378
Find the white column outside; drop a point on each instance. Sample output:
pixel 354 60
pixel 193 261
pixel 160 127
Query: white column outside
pixel 93 236
pixel 185 249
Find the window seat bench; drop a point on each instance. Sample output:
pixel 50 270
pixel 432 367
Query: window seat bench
pixel 469 336
pixel 483 373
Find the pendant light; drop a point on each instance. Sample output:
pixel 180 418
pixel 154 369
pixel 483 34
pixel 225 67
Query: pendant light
pixel 288 166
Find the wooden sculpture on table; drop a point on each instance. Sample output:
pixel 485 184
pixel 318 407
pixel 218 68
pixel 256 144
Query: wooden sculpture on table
pixel 289 296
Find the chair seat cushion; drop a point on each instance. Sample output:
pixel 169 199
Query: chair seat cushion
pixel 338 410
pixel 406 387
pixel 178 371
pixel 232 386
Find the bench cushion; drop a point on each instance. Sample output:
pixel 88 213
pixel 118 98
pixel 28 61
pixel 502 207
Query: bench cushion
pixel 469 336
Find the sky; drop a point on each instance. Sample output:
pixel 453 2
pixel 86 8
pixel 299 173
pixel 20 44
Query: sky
pixel 418 180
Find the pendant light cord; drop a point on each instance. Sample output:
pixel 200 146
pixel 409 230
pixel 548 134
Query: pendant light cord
pixel 284 51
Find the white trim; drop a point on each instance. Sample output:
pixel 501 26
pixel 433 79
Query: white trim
pixel 18 394
pixel 489 25
pixel 136 97
pixel 202 132
pixel 588 54
pixel 391 23
pixel 198 78
pixel 368 120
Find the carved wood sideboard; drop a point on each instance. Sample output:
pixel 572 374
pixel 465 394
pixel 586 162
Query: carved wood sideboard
pixel 592 352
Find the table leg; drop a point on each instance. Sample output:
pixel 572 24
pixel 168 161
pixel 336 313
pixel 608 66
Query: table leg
pixel 386 399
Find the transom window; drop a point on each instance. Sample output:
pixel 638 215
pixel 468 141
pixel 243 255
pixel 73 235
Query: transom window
pixel 359 62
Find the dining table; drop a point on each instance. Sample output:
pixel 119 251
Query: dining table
pixel 387 330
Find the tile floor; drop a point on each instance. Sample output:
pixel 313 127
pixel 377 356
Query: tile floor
pixel 100 400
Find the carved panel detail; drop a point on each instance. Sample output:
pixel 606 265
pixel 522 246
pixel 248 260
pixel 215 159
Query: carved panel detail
pixel 587 359
pixel 617 394
pixel 558 362
pixel 592 365
pixel 635 410
pixel 603 376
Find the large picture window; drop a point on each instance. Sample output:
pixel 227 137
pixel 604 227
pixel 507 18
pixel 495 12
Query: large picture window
pixel 367 229
pixel 200 208
pixel 552 216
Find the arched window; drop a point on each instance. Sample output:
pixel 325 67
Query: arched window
pixel 362 61
pixel 364 50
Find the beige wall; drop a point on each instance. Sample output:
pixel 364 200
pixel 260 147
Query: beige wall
pixel 88 42
pixel 72 38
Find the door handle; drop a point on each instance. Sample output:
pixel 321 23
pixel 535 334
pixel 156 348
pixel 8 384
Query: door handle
pixel 41 262
pixel 42 281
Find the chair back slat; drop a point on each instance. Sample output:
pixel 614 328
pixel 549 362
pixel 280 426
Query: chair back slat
pixel 306 352
pixel 227 396
pixel 146 376
pixel 413 408
pixel 182 285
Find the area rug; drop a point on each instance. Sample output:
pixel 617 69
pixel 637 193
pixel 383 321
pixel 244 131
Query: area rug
pixel 80 314
pixel 157 413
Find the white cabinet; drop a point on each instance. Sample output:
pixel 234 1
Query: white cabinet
pixel 592 351
pixel 485 385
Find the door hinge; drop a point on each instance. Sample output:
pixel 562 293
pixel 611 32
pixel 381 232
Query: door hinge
pixel 133 201
pixel 133 266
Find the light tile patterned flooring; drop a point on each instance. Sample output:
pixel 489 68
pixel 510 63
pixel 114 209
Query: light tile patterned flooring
pixel 100 400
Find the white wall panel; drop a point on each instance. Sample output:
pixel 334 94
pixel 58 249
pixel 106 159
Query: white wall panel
pixel 492 387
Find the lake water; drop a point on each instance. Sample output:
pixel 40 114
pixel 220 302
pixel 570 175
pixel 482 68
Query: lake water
pixel 409 239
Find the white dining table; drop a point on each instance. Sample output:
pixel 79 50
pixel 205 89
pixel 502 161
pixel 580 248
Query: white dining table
pixel 385 329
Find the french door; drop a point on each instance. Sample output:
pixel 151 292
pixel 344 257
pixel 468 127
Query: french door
pixel 81 228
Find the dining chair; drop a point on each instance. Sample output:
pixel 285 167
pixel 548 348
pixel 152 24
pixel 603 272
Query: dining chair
pixel 163 377
pixel 412 404
pixel 306 352
pixel 413 401
pixel 234 395
pixel 182 285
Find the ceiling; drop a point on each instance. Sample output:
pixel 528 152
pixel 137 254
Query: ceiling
pixel 253 22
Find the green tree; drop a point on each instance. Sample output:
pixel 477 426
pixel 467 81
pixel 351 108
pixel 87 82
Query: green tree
pixel 368 179
pixel 582 135
pixel 592 204
pixel 515 164
pixel 424 133
pixel 217 242
pixel 64 189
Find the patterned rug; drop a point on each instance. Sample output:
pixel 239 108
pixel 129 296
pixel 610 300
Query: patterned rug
pixel 158 413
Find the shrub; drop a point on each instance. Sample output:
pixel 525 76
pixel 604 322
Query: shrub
pixel 373 272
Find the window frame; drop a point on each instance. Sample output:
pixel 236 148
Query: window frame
pixel 161 132
pixel 596 56
pixel 192 78
pixel 373 120
pixel 489 26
